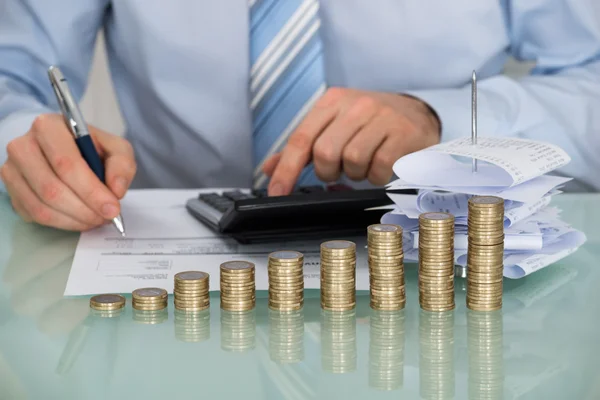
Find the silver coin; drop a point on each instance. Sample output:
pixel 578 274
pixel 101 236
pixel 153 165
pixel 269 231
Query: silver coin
pixel 237 265
pixel 150 292
pixel 385 228
pixel 286 255
pixel 191 275
pixel 338 244
pixel 437 216
pixel 108 298
pixel 486 200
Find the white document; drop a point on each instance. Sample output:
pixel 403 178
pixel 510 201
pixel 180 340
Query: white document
pixel 163 239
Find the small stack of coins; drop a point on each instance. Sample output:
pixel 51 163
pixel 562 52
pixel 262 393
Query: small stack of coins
pixel 436 261
pixel 338 275
pixel 192 326
pixel 485 348
pixel 107 305
pixel 191 291
pixel 436 355
pixel 286 280
pixel 386 267
pixel 238 286
pixel 485 253
pixel 338 341
pixel 286 338
pixel 238 330
pixel 149 299
pixel 386 350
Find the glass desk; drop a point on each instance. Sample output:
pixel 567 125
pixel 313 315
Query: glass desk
pixel 544 344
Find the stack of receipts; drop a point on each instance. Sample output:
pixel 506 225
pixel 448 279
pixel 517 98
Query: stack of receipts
pixel 516 170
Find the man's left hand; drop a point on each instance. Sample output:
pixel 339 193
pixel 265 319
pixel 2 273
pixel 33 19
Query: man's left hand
pixel 356 132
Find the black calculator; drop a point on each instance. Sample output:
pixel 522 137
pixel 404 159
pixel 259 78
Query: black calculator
pixel 309 212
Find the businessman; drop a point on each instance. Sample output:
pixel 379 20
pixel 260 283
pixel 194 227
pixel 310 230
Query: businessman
pixel 277 93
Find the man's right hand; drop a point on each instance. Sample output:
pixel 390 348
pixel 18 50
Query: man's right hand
pixel 50 183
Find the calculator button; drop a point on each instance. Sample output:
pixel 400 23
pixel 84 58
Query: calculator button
pixel 260 193
pixel 236 195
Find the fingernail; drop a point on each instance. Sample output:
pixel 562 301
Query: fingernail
pixel 277 190
pixel 120 185
pixel 109 211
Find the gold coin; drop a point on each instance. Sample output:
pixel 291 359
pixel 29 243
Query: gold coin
pixel 192 276
pixel 149 308
pixel 107 302
pixel 384 229
pixel 338 246
pixel 149 293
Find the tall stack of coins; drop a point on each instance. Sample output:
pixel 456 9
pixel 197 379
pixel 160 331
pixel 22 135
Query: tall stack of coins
pixel 286 338
pixel 485 253
pixel 107 305
pixel 192 326
pixel 238 330
pixel 286 280
pixel 436 355
pixel 484 344
pixel 238 287
pixel 338 341
pixel 436 261
pixel 386 267
pixel 191 291
pixel 149 299
pixel 338 275
pixel 386 350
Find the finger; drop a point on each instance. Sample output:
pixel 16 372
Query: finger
pixel 119 161
pixel 380 170
pixel 298 150
pixel 329 146
pixel 358 154
pixel 6 172
pixel 33 206
pixel 40 177
pixel 270 164
pixel 66 161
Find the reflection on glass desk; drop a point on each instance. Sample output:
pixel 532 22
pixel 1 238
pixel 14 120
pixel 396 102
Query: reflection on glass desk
pixel 543 344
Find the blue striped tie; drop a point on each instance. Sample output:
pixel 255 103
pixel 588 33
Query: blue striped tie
pixel 287 75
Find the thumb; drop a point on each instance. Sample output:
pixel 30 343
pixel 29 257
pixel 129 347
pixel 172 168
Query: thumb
pixel 119 160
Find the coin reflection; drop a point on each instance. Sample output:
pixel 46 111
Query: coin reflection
pixel 436 355
pixel 192 326
pixel 486 367
pixel 386 350
pixel 238 330
pixel 338 341
pixel 286 336
pixel 150 317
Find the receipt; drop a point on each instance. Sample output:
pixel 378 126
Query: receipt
pixel 511 161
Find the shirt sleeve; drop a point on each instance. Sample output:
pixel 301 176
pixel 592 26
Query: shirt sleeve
pixel 558 102
pixel 35 34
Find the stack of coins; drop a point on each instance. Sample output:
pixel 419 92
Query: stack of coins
pixel 386 350
pixel 107 305
pixel 192 326
pixel 338 341
pixel 238 330
pixel 485 253
pixel 386 267
pixel 191 291
pixel 286 280
pixel 484 344
pixel 149 299
pixel 338 275
pixel 436 261
pixel 286 338
pixel 436 355
pixel 238 287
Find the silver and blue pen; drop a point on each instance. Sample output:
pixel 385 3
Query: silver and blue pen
pixel 78 127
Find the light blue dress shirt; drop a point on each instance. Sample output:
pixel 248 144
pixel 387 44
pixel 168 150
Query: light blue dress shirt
pixel 181 72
